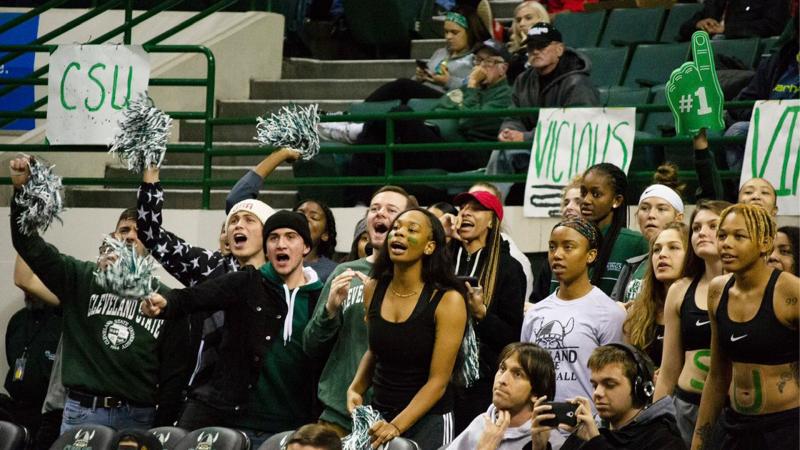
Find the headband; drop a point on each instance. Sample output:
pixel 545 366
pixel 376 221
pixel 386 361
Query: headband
pixel 663 192
pixel 585 228
pixel 458 19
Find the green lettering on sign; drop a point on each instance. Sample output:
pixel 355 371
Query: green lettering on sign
pixel 100 85
pixel 63 99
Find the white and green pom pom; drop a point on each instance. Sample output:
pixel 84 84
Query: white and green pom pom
pixel 363 419
pixel 40 199
pixel 294 127
pixel 467 370
pixel 143 133
pixel 130 275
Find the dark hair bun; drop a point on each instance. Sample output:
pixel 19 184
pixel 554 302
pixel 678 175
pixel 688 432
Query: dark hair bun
pixel 667 174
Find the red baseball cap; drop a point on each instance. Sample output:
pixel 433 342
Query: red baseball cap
pixel 485 198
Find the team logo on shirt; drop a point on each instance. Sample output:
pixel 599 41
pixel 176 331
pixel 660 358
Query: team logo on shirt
pixel 551 335
pixel 118 334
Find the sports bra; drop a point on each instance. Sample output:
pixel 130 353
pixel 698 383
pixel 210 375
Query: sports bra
pixel 760 340
pixel 695 324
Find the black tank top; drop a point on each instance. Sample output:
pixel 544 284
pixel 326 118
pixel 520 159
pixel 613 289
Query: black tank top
pixel 761 340
pixel 656 347
pixel 695 324
pixel 403 353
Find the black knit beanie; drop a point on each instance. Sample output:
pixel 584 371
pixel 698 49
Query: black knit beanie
pixel 288 219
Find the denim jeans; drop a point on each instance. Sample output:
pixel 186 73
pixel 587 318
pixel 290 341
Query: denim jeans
pixel 120 418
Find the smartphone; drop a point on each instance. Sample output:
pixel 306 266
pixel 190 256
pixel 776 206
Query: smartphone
pixel 422 64
pixel 471 280
pixel 565 413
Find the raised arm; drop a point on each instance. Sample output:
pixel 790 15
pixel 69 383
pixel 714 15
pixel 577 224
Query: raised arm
pixel 25 279
pixel 216 294
pixel 248 186
pixel 672 357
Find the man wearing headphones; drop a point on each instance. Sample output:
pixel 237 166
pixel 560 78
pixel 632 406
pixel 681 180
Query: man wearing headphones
pixel 622 377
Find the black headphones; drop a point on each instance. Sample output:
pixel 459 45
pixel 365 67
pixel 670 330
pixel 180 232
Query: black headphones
pixel 643 387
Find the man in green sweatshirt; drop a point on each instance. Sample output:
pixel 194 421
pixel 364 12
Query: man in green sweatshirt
pixel 337 330
pixel 264 382
pixel 117 363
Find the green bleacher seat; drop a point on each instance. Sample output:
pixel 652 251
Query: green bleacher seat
pixel 625 96
pixel 630 25
pixel 767 46
pixel 372 107
pixel 422 104
pixel 745 50
pixel 608 64
pixel 656 123
pixel 652 64
pixel 580 29
pixel 678 14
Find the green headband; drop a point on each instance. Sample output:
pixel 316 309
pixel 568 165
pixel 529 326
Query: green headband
pixel 458 19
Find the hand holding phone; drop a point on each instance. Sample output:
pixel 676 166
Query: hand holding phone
pixel 564 413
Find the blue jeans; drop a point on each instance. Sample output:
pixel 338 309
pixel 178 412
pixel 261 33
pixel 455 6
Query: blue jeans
pixel 120 418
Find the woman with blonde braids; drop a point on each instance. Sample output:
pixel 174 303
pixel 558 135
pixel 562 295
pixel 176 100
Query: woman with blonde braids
pixel 644 326
pixel 754 316
pixel 526 14
pixel 687 334
pixel 496 303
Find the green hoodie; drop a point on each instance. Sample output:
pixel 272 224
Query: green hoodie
pixel 285 390
pixel 341 339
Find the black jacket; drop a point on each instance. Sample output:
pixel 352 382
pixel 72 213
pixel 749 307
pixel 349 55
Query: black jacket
pixel 570 86
pixel 743 18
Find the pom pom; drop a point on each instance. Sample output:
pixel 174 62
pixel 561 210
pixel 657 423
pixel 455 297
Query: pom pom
pixel 294 127
pixel 142 138
pixel 467 369
pixel 363 418
pixel 40 199
pixel 130 275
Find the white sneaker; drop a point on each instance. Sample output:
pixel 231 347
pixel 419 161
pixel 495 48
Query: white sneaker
pixel 344 132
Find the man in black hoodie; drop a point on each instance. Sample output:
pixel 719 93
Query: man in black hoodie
pixel 623 389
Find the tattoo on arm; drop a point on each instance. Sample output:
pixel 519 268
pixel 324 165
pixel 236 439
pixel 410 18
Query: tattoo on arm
pixel 704 436
pixel 791 301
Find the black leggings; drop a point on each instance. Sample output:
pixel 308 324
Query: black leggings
pixel 402 89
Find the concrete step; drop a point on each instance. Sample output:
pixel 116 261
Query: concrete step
pixel 503 8
pixel 424 48
pixel 197 158
pixel 193 131
pixel 315 88
pixel 194 172
pixel 93 197
pixel 256 108
pixel 305 68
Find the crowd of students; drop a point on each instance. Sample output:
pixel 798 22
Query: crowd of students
pixel 259 341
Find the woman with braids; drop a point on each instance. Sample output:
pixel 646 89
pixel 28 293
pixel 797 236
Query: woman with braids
pixel 644 327
pixel 786 255
pixel 578 317
pixel 416 317
pixel 687 334
pixel 754 342
pixel 496 303
pixel 603 189
pixel 659 204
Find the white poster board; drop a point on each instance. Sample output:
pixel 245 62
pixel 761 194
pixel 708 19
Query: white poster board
pixel 88 88
pixel 771 152
pixel 566 142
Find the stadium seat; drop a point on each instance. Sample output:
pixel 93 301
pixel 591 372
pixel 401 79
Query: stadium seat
pixel 625 96
pixel 372 107
pixel 385 24
pixel 656 123
pixel 652 64
pixel 276 441
pixel 631 25
pixel 216 438
pixel 422 104
pixel 745 50
pixel 678 14
pixel 400 444
pixel 580 29
pixel 13 436
pixel 768 45
pixel 96 437
pixel 608 64
pixel 169 436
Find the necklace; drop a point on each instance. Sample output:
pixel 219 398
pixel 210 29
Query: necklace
pixel 401 295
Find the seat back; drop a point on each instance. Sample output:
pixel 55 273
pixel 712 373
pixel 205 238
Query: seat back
pixel 400 443
pixel 169 436
pixel 580 29
pixel 214 438
pixel 276 441
pixel 653 63
pixel 678 14
pixel 629 25
pixel 13 436
pixel 608 64
pixel 422 104
pixel 656 123
pixel 98 437
pixel 745 50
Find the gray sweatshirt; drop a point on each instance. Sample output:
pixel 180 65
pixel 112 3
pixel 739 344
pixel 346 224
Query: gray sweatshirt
pixel 514 438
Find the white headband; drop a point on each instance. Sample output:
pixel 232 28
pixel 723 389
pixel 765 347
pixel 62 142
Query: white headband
pixel 663 192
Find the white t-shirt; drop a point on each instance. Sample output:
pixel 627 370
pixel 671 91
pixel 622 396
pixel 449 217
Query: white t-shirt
pixel 570 330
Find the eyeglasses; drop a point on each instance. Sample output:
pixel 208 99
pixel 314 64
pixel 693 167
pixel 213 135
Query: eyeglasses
pixel 486 62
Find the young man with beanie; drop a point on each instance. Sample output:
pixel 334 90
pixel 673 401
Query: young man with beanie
pixel 263 382
pixel 337 331
pixel 524 374
pixel 622 377
pixel 117 364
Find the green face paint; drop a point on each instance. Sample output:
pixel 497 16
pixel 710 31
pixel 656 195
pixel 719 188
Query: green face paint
pixel 758 398
pixel 695 383
pixel 412 240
